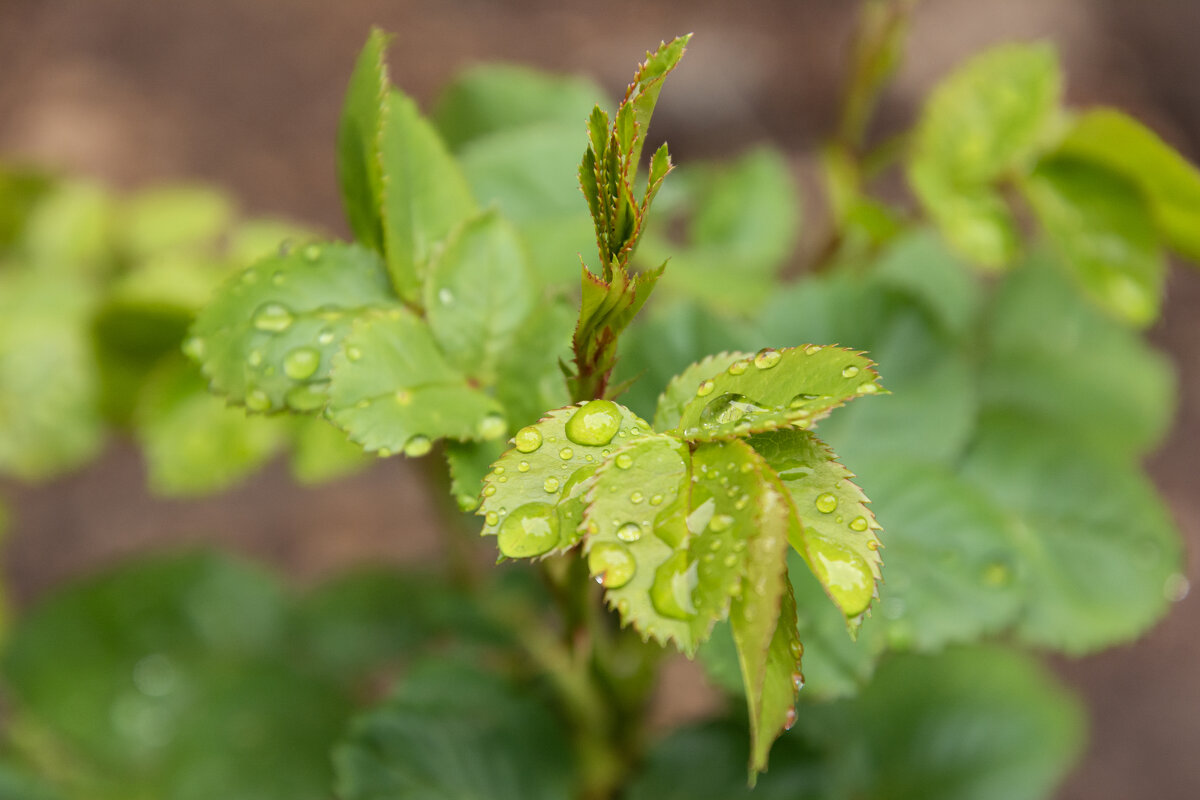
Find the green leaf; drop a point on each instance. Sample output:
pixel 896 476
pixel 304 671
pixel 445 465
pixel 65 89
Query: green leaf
pixel 425 195
pixel 321 452
pixel 838 533
pixel 545 476
pixel 192 442
pixel 992 115
pixel 477 295
pixel 919 266
pixel 1170 184
pixel 456 731
pixel 485 100
pixel 71 230
pixel 682 388
pixel 137 676
pixel 1097 550
pixel 1054 357
pixel 174 218
pixel 1104 231
pixel 643 93
pixel 791 386
pixel 974 219
pixel 393 390
pixel 360 171
pixel 16 785
pixel 48 380
pixel 268 338
pixel 469 464
pixel 530 377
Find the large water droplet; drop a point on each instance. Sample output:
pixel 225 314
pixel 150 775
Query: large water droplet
pixel 550 484
pixel 566 453
pixel 301 363
pixel 859 524
pixel 493 426
pixel 674 582
pixel 629 532
pixel 844 573
pixel 612 564
pixel 530 530
pixel 850 371
pixel 595 423
pixel 767 358
pixel 273 317
pixel 826 503
pixel 527 439
pixel 417 446
pixel 728 408
pixel 624 460
pixel 258 400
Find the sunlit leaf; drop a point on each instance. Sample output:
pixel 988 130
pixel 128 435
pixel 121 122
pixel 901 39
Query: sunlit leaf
pixel 358 146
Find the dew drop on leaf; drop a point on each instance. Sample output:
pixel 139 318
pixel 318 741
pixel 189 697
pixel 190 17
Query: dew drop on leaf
pixel 301 363
pixel 550 484
pixel 312 252
pixel 305 398
pixel 523 466
pixel 612 564
pixel 594 424
pixel 417 446
pixel 674 582
pixel 257 400
pixel 720 523
pixel 728 408
pixel 844 573
pixel 629 532
pixel 566 453
pixel 858 524
pixel 767 358
pixel 812 349
pixel 636 497
pixel 704 389
pixel 738 367
pixel 194 348
pixel 530 530
pixel 353 353
pixel 624 461
pixel 528 439
pixel 826 503
pixel 273 318
pixel 491 518
pixel 325 336
pixel 867 388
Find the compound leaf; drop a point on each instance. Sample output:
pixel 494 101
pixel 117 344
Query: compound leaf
pixel 681 390
pixel 392 389
pixel 267 339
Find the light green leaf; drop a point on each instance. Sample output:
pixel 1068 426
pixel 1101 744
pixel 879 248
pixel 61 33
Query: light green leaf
pixel 1171 184
pixel 360 171
pixel 173 218
pixel 545 476
pixel 485 100
pixel 1057 358
pixel 454 731
pixel 838 533
pixel 321 452
pixel 647 84
pixel 1103 229
pixel 974 219
pixel 425 195
pixel 1097 550
pixel 919 266
pixel 469 464
pixel 992 115
pixel 392 389
pixel 192 442
pixel 48 381
pixel 268 338
pixel 682 388
pixel 477 295
pixel 774 388
pixel 71 231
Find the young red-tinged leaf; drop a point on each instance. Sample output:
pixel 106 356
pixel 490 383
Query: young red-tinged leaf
pixel 393 391
pixel 359 169
pixel 424 194
pixel 533 495
pixel 776 388
pixel 267 339
pixel 837 534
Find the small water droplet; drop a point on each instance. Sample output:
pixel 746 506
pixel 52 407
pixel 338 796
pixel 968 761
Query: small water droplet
pixel 273 318
pixel 789 722
pixel 491 518
pixel 530 530
pixel 624 461
pixel 858 524
pixel 488 491
pixel 325 337
pixel 312 252
pixel 720 523
pixel 353 354
pixel 613 565
pixel 656 500
pixel 493 426
pixel 812 349
pixel 741 502
pixel 826 503
pixel 384 452
pixel 301 363
pixel 730 560
pixel 850 371
pixel 550 484
pixel 258 400
pixel 566 453
pixel 194 348
pixel 527 439
pixel 629 532
pixel 636 497
pixel 417 446
pixel 867 388
pixel 523 466
pixel 739 366
pixel 594 424
pixel 705 388
pixel 873 544
pixel 767 358
pixel 445 296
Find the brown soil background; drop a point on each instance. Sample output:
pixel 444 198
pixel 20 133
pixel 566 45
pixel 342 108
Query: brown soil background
pixel 245 94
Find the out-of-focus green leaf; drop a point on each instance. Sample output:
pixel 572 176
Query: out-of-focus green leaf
pixel 193 442
pixel 456 732
pixel 469 464
pixel 172 218
pixel 919 266
pixel 71 230
pixel 393 390
pixel 1058 359
pixel 17 785
pixel 530 377
pixel 358 142
pixel 974 219
pixel 1171 184
pixel 268 338
pixel 21 190
pixel 1104 231
pixel 321 452
pixel 49 415
pixel 1097 550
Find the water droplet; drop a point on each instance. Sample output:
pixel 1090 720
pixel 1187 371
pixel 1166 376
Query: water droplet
pixel 301 363
pixel 523 466
pixel 812 349
pixel 550 484
pixel 705 388
pixel 867 388
pixel 873 544
pixel 492 517
pixel 384 452
pixel 493 426
pixel 858 524
pixel 312 252
pixel 826 503
pixel 767 358
pixel 194 348
pixel 789 721
pixel 629 532
pixel 624 460
pixel 613 565
pixel 306 398
pixel 741 502
pixel 417 446
pixel 566 453
pixel 656 500
pixel 844 573
pixel 720 523
pixel 1176 587
pixel 325 337
pixel 273 317
pixel 353 354
pixel 594 424
pixel 258 400
pixel 527 439
pixel 730 560
pixel 674 582
pixel 530 530
pixel 445 296
pixel 798 680
pixel 739 366
pixel 488 491
pixel 728 408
